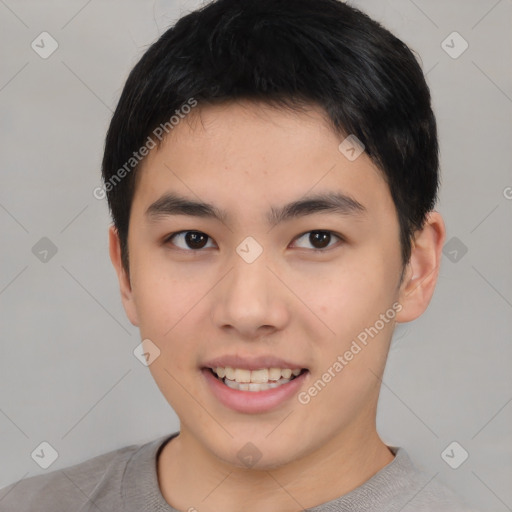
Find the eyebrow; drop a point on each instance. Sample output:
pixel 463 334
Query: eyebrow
pixel 174 204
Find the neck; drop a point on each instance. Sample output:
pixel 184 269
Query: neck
pixel 190 476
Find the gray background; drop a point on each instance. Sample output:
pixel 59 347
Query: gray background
pixel 68 375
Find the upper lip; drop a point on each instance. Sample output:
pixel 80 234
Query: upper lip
pixel 251 363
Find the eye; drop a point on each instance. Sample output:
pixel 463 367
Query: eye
pixel 194 239
pixel 319 239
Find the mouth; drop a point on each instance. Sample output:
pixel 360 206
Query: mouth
pixel 254 384
pixel 258 380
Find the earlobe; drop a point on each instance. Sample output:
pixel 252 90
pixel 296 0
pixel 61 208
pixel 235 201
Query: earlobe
pixel 124 280
pixel 422 270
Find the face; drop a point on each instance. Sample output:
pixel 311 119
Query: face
pixel 249 284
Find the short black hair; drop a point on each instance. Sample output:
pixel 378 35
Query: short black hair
pixel 289 54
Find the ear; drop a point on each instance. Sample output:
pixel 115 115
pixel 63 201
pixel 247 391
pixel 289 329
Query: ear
pixel 422 271
pixel 124 279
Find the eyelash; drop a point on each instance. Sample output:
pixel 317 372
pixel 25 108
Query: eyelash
pixel 332 233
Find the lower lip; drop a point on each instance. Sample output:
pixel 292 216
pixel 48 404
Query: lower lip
pixel 253 402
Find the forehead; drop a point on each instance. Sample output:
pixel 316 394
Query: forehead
pixel 246 152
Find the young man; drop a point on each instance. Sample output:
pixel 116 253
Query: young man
pixel 271 169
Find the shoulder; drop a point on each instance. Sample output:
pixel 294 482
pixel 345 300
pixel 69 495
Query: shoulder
pixel 400 487
pixel 68 488
pixel 424 492
pixel 436 496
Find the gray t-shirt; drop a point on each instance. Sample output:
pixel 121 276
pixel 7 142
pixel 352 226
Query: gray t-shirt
pixel 126 480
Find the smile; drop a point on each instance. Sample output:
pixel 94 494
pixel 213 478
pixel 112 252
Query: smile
pixel 252 397
pixel 255 380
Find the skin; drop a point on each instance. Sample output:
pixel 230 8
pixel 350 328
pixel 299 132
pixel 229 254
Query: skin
pixel 291 302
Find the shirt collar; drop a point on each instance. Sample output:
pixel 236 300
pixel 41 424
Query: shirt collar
pixel 140 491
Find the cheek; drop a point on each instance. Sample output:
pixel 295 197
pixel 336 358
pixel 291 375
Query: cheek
pixel 160 296
pixel 350 303
pixel 347 297
pixel 162 305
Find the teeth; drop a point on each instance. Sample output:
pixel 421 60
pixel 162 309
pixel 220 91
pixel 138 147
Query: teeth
pixel 286 373
pixel 261 376
pixel 253 386
pixel 242 375
pixel 274 373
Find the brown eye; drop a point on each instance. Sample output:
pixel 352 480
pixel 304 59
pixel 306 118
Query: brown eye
pixel 194 240
pixel 319 239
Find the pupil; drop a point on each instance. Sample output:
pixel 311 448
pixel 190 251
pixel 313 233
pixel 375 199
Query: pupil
pixel 193 239
pixel 197 240
pixel 321 236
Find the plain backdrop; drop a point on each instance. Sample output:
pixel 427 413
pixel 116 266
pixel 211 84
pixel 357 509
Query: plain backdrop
pixel 68 375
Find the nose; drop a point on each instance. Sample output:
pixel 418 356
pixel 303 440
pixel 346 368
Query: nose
pixel 250 300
